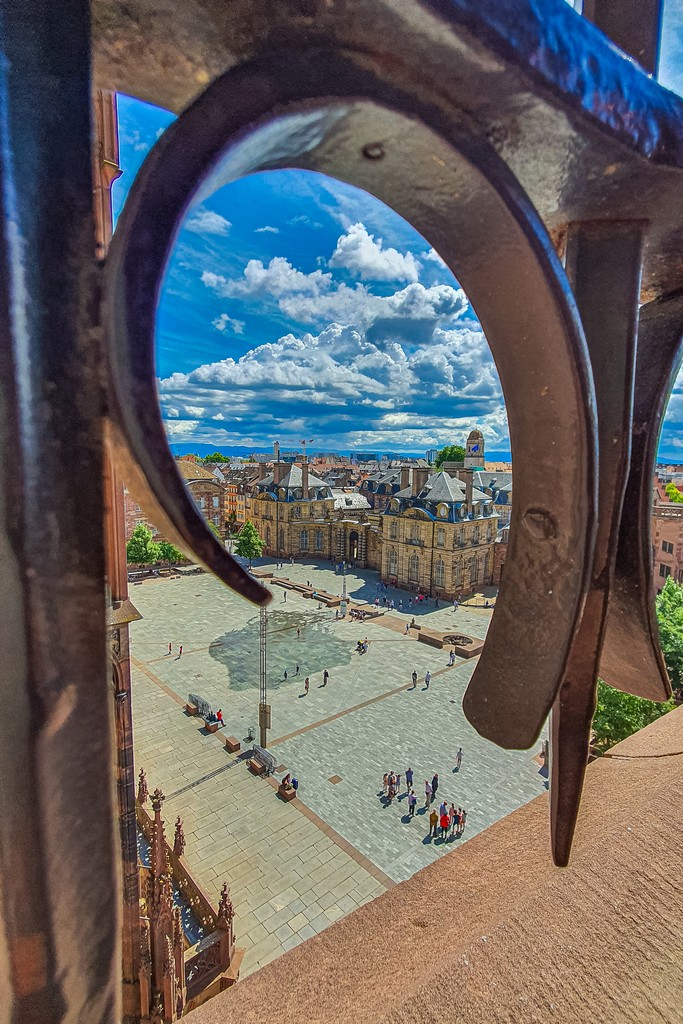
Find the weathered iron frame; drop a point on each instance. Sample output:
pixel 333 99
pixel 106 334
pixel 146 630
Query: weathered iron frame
pixel 538 108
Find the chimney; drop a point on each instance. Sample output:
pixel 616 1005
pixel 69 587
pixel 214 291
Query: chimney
pixel 276 451
pixel 279 471
pixel 304 478
pixel 405 477
pixel 468 488
pixel 262 471
pixel 419 479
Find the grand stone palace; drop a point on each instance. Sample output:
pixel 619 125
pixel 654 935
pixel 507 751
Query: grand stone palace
pixel 435 535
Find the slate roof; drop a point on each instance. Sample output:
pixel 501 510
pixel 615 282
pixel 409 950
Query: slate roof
pixel 293 481
pixel 441 487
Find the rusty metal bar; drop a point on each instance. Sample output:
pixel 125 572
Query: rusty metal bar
pixel 632 659
pixel 60 894
pixel 603 263
pixel 634 25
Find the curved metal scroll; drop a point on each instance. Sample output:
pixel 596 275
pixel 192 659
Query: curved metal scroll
pixel 631 657
pixel 301 109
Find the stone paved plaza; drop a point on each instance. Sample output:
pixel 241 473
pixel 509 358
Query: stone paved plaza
pixel 294 868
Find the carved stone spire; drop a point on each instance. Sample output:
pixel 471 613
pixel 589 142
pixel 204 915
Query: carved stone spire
pixel 179 839
pixel 143 789
pixel 226 911
pixel 158 855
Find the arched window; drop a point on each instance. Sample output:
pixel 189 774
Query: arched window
pixel 487 565
pixel 489 532
pixel 303 540
pixel 414 569
pixel 267 536
pixel 393 529
pixel 440 537
pixel 282 537
pixel 474 570
pixel 415 532
pixel 439 572
pixel 393 562
pixel 318 540
pixel 475 535
pixel 457 574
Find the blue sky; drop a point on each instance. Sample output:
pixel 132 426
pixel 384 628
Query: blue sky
pixel 297 306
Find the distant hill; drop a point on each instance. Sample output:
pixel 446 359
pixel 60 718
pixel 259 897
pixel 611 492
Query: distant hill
pixel 187 448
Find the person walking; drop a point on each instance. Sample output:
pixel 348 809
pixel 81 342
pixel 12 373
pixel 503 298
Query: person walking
pixel 307 683
pixel 407 629
pixel 298 633
pixel 428 679
pixel 457 818
pixel 326 676
pixel 219 719
pixel 445 823
pixel 463 819
pixel 443 808
pixel 296 670
pixel 414 678
pixel 409 778
pixel 398 781
pixel 451 815
pixel 412 800
pixel 284 596
pixel 428 793
pixel 170 648
pixel 435 786
pixel 285 675
pixel 458 760
pixel 180 651
pixel 433 823
pixel 451 658
pixel 385 783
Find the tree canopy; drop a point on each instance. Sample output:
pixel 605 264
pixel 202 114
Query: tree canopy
pixel 216 457
pixel 169 552
pixel 451 453
pixel 617 714
pixel 249 544
pixel 142 549
pixel 673 493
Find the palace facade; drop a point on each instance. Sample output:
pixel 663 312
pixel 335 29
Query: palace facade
pixel 436 534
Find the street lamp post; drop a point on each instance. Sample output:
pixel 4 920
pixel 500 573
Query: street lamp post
pixel 343 600
pixel 264 706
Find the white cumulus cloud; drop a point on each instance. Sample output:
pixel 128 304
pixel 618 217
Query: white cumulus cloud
pixel 268 228
pixel 363 255
pixel 206 222
pixel 223 322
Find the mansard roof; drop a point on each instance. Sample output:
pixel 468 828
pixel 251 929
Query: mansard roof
pixel 293 481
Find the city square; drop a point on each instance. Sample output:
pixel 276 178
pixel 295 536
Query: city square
pixel 294 868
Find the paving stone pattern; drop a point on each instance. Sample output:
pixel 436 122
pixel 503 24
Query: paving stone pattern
pixel 290 875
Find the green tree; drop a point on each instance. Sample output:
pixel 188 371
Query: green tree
pixel 249 544
pixel 674 493
pixel 214 529
pixel 670 618
pixel 169 553
pixel 617 714
pixel 451 453
pixel 216 457
pixel 141 549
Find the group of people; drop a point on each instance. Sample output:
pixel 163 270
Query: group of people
pixel 358 613
pixel 447 820
pixel 362 646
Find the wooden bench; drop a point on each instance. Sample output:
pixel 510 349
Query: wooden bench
pixel 261 762
pixel 191 709
pixel 232 744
